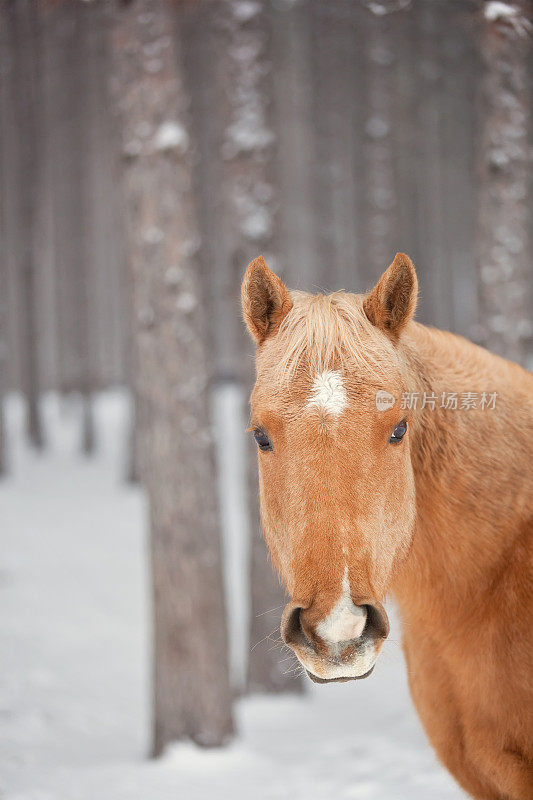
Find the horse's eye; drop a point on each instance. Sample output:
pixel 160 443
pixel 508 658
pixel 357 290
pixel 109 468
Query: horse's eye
pixel 263 442
pixel 399 432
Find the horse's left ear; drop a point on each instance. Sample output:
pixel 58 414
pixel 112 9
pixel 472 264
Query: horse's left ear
pixel 392 302
pixel 265 300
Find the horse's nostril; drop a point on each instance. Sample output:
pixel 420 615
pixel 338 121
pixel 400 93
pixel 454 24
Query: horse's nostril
pixel 292 631
pixel 377 621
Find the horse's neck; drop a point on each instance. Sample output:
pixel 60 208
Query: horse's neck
pixel 473 468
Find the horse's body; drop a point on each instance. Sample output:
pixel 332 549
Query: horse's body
pixel 466 590
pixel 441 516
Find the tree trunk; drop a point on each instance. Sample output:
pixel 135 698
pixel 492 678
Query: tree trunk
pixel 503 259
pixel 430 129
pixel 24 30
pixel 344 79
pixel 380 228
pixel 326 143
pixel 191 682
pixel 88 155
pixel 5 68
pixel 248 228
pixel 70 61
pixel 459 59
pixel 292 60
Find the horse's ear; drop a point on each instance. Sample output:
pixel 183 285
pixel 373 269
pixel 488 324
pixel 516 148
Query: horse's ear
pixel 265 300
pixel 392 302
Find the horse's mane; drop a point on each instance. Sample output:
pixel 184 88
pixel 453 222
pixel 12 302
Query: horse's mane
pixel 323 332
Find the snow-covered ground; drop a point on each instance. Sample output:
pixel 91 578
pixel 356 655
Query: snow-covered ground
pixel 74 639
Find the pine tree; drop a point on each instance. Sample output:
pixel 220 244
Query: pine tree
pixel 191 684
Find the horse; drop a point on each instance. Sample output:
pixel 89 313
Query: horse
pixel 396 459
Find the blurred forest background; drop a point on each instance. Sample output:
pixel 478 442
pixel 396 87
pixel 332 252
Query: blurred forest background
pixel 149 151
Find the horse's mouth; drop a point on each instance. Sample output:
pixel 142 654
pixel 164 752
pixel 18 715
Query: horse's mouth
pixel 316 679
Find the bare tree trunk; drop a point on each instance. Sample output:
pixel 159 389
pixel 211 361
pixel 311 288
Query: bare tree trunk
pixel 503 259
pixel 249 227
pixel 108 295
pixel 406 148
pixel 26 48
pixel 381 192
pixel 191 682
pixel 5 70
pixel 80 263
pixel 342 86
pixel 458 140
pixel 133 454
pixel 430 127
pixel 3 360
pixel 326 144
pixel 336 81
pixel 70 96
pixel 292 87
pixel 205 64
pixel 86 139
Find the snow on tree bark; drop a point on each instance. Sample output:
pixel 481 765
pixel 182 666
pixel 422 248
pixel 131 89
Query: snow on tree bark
pixel 191 684
pixel 249 217
pixel 503 258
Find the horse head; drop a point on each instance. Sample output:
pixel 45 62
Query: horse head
pixel 336 482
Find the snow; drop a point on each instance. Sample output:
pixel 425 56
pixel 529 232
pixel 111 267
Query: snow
pixel 186 302
pixel 229 408
pixel 171 136
pixel 496 11
pixel 74 613
pixel 381 9
pixel 246 134
pixel 153 235
pixel 257 223
pixel 246 10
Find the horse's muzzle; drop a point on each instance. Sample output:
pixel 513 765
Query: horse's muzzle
pixel 329 657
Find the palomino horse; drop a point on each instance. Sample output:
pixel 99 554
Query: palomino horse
pixel 398 458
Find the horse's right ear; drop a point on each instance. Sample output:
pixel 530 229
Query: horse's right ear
pixel 392 302
pixel 265 300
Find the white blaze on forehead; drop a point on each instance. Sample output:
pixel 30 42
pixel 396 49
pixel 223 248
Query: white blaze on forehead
pixel 345 621
pixel 328 393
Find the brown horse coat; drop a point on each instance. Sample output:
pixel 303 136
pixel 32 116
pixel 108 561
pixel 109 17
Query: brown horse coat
pixel 442 519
